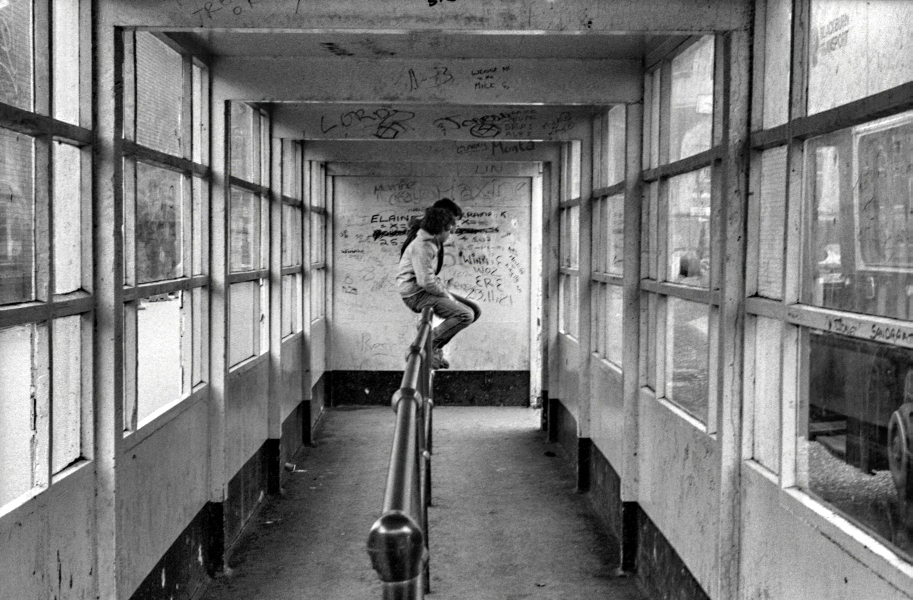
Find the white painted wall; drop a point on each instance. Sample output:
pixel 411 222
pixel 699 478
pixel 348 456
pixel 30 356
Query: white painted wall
pixel 489 264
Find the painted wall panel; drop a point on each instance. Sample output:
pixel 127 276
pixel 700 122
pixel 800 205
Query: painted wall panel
pixel 162 485
pixel 246 408
pixel 784 556
pixel 607 413
pixel 679 486
pixel 23 551
pixel 487 260
pixel 293 367
pixel 71 549
pixel 568 365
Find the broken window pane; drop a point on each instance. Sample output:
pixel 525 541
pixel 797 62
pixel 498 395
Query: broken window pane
pixel 17 218
pixel 161 324
pixel 861 193
pixel 16 53
pixel 686 355
pixel 689 228
pixel 159 223
pixel 860 421
pixel 691 116
pixel 159 95
pixel 243 143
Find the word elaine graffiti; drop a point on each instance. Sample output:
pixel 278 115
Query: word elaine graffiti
pixel 496 148
pixel 389 218
pixel 237 7
pixel 434 78
pixel 382 123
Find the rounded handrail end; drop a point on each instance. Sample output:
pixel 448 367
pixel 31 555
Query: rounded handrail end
pixel 402 393
pixel 396 546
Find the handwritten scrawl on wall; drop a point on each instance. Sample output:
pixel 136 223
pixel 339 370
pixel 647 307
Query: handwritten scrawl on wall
pixel 487 260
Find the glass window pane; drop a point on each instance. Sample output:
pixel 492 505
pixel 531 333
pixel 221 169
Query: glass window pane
pixel 66 61
pixel 648 324
pixel 289 303
pixel 291 235
pixel 616 234
pixel 859 422
pixel 691 117
pixel 767 386
pixel 863 47
pixel 689 228
pixel 200 225
pixel 318 290
pixel 159 223
pixel 245 230
pixel 614 323
pixel 573 215
pixel 16 53
pixel 242 144
pixel 777 38
pixel 17 217
pixel 200 340
pixel 243 321
pixel 67 202
pixel 159 95
pixel 68 392
pixel 861 193
pixel 654 118
pixel 199 102
pixel 616 145
pixel 15 412
pixel 686 355
pixel 318 231
pixel 161 323
pixel 772 225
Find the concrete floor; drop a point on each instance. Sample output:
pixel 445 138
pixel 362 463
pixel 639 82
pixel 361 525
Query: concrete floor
pixel 506 523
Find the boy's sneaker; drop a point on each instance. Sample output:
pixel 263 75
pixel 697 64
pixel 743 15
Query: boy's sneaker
pixel 438 361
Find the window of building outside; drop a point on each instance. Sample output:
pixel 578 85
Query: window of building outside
pixel 680 304
pixel 46 317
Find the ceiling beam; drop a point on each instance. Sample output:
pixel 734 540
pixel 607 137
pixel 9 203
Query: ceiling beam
pixel 441 81
pixel 413 122
pixel 656 16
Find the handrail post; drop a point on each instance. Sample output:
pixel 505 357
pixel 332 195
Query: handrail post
pixel 398 540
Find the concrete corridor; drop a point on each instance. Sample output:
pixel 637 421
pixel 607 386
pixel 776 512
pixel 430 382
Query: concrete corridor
pixel 505 523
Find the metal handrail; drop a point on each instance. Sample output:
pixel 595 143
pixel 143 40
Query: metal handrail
pixel 398 540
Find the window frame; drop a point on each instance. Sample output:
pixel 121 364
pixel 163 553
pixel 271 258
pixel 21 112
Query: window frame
pixel 656 288
pixel 40 123
pixel 195 197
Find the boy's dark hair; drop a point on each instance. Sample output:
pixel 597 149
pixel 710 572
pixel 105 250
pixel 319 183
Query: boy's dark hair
pixel 450 205
pixel 437 220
